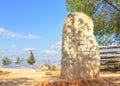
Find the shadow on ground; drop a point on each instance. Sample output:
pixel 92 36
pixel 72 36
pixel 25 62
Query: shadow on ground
pixel 18 82
pixel 93 82
pixel 114 81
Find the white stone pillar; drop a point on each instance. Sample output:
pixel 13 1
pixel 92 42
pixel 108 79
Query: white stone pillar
pixel 80 52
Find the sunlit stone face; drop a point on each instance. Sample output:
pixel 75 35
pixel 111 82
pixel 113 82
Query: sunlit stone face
pixel 80 53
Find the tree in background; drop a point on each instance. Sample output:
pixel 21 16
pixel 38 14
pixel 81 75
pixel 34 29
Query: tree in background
pixel 105 15
pixel 18 61
pixel 31 59
pixel 6 61
pixel 48 64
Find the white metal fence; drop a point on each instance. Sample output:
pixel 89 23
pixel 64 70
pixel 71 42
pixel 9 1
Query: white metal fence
pixel 110 58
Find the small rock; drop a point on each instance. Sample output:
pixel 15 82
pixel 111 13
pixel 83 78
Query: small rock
pixel 48 73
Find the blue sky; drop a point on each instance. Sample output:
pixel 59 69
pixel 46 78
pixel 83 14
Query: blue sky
pixel 31 24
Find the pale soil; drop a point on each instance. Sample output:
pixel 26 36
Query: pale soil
pixel 30 77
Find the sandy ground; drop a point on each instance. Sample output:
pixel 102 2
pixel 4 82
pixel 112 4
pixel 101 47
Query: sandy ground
pixel 22 73
pixel 27 73
pixel 30 77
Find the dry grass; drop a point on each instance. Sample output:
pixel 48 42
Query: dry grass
pixel 30 77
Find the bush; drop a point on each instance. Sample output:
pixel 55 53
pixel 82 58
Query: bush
pixel 48 67
pixel 6 61
pixel 53 68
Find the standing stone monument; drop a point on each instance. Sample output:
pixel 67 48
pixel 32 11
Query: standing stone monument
pixel 80 52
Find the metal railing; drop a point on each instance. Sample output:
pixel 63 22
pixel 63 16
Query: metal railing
pixel 110 58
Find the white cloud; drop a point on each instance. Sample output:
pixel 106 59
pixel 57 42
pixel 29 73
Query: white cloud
pixel 28 49
pixel 57 45
pixel 54 49
pixel 54 53
pixel 9 34
pixel 49 51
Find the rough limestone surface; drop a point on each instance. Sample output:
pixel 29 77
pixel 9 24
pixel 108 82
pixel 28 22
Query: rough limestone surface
pixel 80 52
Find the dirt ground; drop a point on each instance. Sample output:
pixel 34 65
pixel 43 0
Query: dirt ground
pixel 31 77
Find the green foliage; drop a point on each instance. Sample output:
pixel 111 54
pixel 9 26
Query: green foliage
pixel 18 61
pixel 6 61
pixel 31 59
pixel 50 67
pixel 53 68
pixel 106 18
pixel 82 5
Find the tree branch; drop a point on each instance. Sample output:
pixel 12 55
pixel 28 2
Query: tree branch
pixel 110 3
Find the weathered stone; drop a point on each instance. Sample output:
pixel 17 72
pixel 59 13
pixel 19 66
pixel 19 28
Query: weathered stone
pixel 80 52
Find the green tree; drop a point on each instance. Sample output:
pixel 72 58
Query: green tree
pixel 18 61
pixel 48 64
pixel 6 61
pixel 31 59
pixel 106 17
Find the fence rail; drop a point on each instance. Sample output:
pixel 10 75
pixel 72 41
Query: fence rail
pixel 110 58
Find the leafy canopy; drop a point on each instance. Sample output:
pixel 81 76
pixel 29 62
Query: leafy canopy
pixel 105 15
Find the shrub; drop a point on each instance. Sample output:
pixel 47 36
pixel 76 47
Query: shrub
pixel 6 61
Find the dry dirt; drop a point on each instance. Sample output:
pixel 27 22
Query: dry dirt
pixel 30 77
